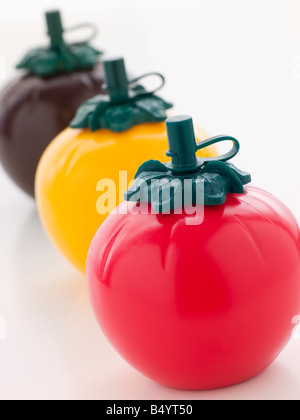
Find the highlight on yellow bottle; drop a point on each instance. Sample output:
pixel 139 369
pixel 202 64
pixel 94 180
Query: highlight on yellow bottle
pixel 86 170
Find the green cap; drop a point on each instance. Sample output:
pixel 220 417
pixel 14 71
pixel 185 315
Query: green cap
pixel 117 84
pixel 60 57
pixel 55 29
pixel 182 143
pixel 126 104
pixel 215 174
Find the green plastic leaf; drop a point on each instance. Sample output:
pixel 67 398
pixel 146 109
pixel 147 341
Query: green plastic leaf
pixel 165 191
pixel 151 166
pixel 47 62
pixel 102 113
pixel 154 106
pixel 119 118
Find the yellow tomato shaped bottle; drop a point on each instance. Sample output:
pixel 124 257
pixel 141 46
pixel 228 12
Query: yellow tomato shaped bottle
pixel 86 170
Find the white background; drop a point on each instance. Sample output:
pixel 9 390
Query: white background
pixel 232 64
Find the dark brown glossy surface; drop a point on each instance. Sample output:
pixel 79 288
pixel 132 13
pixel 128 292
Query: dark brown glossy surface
pixel 33 111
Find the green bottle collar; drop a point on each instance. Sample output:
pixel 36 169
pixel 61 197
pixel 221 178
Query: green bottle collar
pixel 60 57
pixel 126 104
pixel 161 184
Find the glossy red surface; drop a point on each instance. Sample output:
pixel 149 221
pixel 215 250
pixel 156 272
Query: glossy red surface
pixel 203 306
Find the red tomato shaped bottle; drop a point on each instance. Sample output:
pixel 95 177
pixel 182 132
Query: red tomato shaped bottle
pixel 36 106
pixel 196 299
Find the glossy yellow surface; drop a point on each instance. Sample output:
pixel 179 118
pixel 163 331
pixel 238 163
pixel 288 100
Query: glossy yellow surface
pixel 70 175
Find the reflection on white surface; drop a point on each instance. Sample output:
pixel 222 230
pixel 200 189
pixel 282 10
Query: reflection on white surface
pixel 234 73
